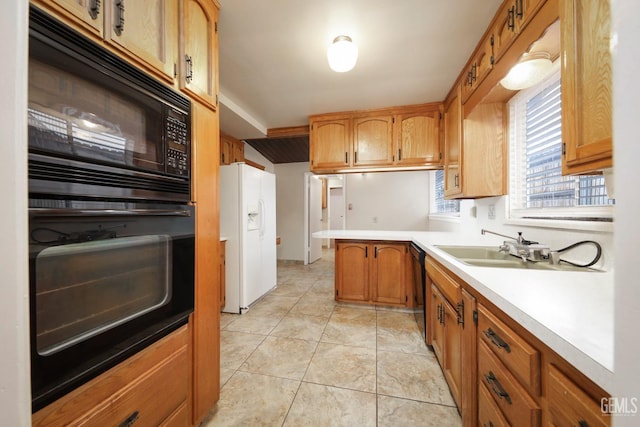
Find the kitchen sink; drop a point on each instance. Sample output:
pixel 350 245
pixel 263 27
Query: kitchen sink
pixel 490 256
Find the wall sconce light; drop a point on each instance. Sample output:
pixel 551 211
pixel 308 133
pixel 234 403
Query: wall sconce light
pixel 342 54
pixel 528 72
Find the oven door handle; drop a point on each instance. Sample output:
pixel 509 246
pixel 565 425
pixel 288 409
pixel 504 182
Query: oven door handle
pixel 45 212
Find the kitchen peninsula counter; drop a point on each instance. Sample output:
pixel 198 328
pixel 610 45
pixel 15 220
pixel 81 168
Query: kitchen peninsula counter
pixel 570 311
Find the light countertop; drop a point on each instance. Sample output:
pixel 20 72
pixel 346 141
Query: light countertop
pixel 570 311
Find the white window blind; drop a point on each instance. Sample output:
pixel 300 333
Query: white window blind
pixel 537 187
pixel 444 206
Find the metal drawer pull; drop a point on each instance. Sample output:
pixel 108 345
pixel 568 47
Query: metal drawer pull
pixel 496 340
pixel 94 9
pixel 118 26
pixel 497 387
pixel 583 423
pixel 128 422
pixel 490 424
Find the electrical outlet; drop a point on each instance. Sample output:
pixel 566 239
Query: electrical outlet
pixel 492 211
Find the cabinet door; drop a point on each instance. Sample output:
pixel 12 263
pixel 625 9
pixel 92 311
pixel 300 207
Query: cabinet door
pixel 199 50
pixel 238 151
pixel 418 138
pixel 436 325
pixel 586 85
pixel 330 144
pixel 524 11
pixel 226 151
pixel 453 144
pixel 146 30
pixel 86 15
pixel 352 271
pixel 388 273
pixel 480 67
pixel 373 141
pixel 452 364
pixel 504 31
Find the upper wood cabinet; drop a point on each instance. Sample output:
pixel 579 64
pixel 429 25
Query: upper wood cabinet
pixel 146 30
pixel 399 138
pixel 143 31
pixel 586 85
pixel 480 65
pixel 198 50
pixel 417 137
pixel 372 141
pixel 453 142
pixel 475 149
pixel 510 20
pixel 85 15
pixel 231 149
pixel 330 144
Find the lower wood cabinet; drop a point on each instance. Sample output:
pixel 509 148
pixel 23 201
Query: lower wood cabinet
pixel 373 272
pixel 150 388
pixel 499 374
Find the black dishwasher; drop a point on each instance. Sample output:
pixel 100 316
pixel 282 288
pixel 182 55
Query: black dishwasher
pixel 419 279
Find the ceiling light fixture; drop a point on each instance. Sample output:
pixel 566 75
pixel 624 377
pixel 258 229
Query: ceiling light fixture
pixel 528 72
pixel 342 54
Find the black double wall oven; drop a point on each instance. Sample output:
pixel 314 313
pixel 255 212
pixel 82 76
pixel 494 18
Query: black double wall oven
pixel 111 230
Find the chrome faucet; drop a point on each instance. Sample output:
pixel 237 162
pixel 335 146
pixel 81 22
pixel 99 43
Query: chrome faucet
pixel 522 248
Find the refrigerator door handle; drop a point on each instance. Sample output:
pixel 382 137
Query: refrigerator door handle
pixel 262 221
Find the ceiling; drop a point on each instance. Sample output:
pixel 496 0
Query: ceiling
pixel 274 71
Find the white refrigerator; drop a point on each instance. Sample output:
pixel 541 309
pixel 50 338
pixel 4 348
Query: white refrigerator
pixel 248 221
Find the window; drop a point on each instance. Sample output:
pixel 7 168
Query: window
pixel 442 206
pixel 537 187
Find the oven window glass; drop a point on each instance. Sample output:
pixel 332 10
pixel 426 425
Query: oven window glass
pixel 75 112
pixel 84 289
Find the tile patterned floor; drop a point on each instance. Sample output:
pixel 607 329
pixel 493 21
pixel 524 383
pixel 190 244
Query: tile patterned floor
pixel 298 358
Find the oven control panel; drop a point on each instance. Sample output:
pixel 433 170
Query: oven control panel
pixel 177 143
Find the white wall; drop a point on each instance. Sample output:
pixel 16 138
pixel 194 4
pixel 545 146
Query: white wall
pixel 15 392
pixel 387 200
pixel 290 209
pixel 253 155
pixel 626 68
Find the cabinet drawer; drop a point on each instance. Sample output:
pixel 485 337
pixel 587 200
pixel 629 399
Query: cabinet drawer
pixel 517 406
pixel 179 418
pixel 150 399
pixel 569 405
pixel 153 383
pixel 489 414
pixel 522 360
pixel 446 284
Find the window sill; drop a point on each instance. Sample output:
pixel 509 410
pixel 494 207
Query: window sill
pixel 445 217
pixel 606 227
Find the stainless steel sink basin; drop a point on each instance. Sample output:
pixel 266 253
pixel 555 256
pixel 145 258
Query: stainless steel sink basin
pixel 489 256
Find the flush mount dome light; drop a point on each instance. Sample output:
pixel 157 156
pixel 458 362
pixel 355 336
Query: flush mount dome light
pixel 531 70
pixel 342 54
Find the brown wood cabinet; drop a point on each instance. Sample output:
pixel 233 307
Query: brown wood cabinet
pixel 151 388
pixel 373 140
pixel 586 86
pixel 373 272
pixel 453 143
pixel 231 149
pixel 569 404
pixel 480 65
pixel 498 373
pixel 146 30
pixel 199 50
pixel 206 315
pixel 398 138
pixel 475 161
pixel 452 336
pixel 417 137
pixel 143 31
